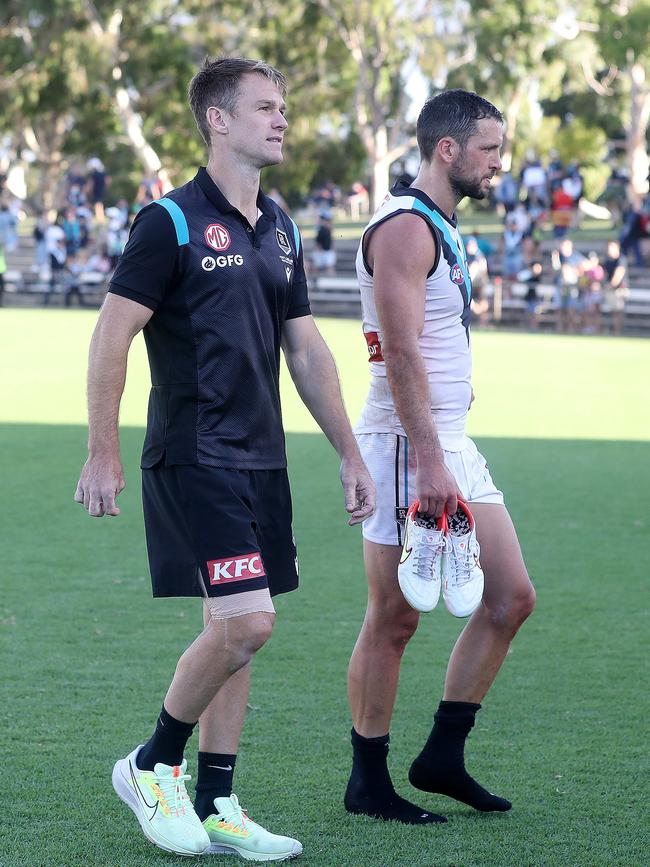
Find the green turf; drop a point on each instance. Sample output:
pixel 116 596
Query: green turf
pixel 86 654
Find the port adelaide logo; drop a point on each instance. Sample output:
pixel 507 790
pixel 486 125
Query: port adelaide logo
pixel 283 241
pixel 456 274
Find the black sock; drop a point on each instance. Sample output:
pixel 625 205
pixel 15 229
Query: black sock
pixel 370 789
pixel 214 780
pixel 440 767
pixel 167 743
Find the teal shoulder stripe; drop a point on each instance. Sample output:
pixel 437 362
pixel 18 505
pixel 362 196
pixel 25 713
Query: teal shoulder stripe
pixel 180 223
pixel 296 236
pixel 442 226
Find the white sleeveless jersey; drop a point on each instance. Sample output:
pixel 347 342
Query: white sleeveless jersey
pixel 444 343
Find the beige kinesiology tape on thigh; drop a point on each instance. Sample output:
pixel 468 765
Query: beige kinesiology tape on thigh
pixel 252 602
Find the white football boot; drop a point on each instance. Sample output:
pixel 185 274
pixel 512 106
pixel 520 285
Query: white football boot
pixel 462 576
pixel 161 805
pixel 420 566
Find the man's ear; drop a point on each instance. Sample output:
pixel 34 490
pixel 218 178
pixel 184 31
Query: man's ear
pixel 217 120
pixel 447 149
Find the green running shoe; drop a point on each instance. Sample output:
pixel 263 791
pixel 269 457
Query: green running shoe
pixel 231 831
pixel 161 805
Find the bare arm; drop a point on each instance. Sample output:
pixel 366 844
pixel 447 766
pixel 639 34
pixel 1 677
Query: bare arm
pixel 314 373
pixel 102 478
pixel 399 283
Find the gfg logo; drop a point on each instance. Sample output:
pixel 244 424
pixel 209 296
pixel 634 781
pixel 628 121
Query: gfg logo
pixel 224 261
pixel 236 568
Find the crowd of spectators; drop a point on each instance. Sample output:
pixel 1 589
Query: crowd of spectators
pixel 547 199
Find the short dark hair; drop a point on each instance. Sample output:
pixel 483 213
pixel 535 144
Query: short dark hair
pixel 217 83
pixel 452 113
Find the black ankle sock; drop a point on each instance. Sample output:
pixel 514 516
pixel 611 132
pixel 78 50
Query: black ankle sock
pixel 214 780
pixel 440 767
pixel 370 789
pixel 167 743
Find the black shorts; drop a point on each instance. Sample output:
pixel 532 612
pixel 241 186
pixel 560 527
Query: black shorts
pixel 215 532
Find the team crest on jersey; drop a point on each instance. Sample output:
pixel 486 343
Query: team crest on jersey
pixel 217 237
pixel 400 514
pixel 456 274
pixel 283 241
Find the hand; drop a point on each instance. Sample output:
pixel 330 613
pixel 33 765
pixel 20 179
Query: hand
pixel 100 482
pixel 436 489
pixel 359 490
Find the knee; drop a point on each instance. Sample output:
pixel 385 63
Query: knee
pixel 257 631
pixel 393 626
pixel 509 613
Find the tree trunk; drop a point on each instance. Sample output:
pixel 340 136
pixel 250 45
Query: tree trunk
pixel 635 136
pixel 512 116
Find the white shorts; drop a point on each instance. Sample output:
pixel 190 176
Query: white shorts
pixel 392 465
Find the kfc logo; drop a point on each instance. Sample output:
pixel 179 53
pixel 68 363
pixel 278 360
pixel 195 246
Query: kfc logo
pixel 236 568
pixel 217 237
pixel 456 274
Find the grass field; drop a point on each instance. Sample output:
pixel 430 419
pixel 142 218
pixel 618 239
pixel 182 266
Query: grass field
pixel 86 654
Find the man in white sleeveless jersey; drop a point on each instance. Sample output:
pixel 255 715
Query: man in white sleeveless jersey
pixel 416 295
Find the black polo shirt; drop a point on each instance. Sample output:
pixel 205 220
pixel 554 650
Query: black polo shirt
pixel 221 292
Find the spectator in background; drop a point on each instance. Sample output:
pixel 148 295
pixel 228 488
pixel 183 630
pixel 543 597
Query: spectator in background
pixel 75 186
pixel 116 234
pixel 561 212
pixel 478 273
pixel 71 231
pixel 358 200
pixel 567 264
pixel 324 255
pixel 533 179
pixel 554 172
pixel 58 258
pixel 513 253
pixel 506 193
pixel 97 183
pixel 39 233
pixel 632 233
pixel 531 278
pixel 615 286
pixel 71 278
pixel 8 223
pixel 591 281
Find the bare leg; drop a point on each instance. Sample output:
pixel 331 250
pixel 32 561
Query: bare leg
pixel 222 649
pixel 221 722
pixel 389 623
pixel 508 599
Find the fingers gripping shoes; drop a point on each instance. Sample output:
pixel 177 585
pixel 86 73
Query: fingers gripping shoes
pixel 462 576
pixel 161 804
pixel 230 830
pixel 420 566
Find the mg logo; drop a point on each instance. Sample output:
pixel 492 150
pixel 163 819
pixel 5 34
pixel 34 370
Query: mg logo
pixel 217 237
pixel 236 568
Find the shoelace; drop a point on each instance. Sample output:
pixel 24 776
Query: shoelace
pixel 236 815
pixel 173 791
pixel 424 556
pixel 462 570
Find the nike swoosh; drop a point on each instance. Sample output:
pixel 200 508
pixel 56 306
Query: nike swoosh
pixel 221 767
pixel 138 791
pixel 406 551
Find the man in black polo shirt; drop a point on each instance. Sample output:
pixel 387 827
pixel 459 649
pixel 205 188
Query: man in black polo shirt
pixel 213 273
